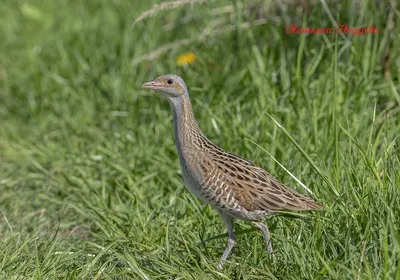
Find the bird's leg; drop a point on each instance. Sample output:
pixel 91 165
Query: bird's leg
pixel 265 231
pixel 228 221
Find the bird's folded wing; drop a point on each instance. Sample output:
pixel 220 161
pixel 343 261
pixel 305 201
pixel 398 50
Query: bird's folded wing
pixel 255 189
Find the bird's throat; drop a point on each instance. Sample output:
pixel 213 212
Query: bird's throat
pixel 186 130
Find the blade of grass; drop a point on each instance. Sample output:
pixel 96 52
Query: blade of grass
pixel 300 149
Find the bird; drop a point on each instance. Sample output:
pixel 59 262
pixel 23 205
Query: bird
pixel 235 187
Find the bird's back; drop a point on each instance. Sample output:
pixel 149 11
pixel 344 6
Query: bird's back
pixel 239 187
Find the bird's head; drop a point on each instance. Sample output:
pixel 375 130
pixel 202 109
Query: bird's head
pixel 169 85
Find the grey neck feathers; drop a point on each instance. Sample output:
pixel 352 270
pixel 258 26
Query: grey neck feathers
pixel 185 126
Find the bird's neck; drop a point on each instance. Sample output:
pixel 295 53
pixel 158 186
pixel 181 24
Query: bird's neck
pixel 186 130
pixel 185 126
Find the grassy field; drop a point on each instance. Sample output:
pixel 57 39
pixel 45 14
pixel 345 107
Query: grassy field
pixel 90 183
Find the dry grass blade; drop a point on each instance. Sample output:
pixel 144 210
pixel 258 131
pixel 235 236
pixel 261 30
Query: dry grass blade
pixel 165 6
pixel 207 32
pixel 300 149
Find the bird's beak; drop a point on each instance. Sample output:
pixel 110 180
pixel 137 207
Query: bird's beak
pixel 151 85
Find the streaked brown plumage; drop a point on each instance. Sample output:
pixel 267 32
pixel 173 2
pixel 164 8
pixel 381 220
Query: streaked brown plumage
pixel 234 186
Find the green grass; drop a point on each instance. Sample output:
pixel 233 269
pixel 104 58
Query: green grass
pixel 90 184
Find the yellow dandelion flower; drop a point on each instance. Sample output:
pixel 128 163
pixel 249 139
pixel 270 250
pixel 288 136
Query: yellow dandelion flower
pixel 186 59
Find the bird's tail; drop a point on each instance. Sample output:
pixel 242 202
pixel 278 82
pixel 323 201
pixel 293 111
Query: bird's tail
pixel 312 205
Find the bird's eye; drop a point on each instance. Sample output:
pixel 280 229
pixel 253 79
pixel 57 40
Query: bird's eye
pixel 170 81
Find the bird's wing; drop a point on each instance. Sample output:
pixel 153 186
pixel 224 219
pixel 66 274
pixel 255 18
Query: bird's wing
pixel 255 189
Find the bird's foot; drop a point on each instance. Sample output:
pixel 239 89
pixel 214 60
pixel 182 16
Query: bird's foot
pixel 269 248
